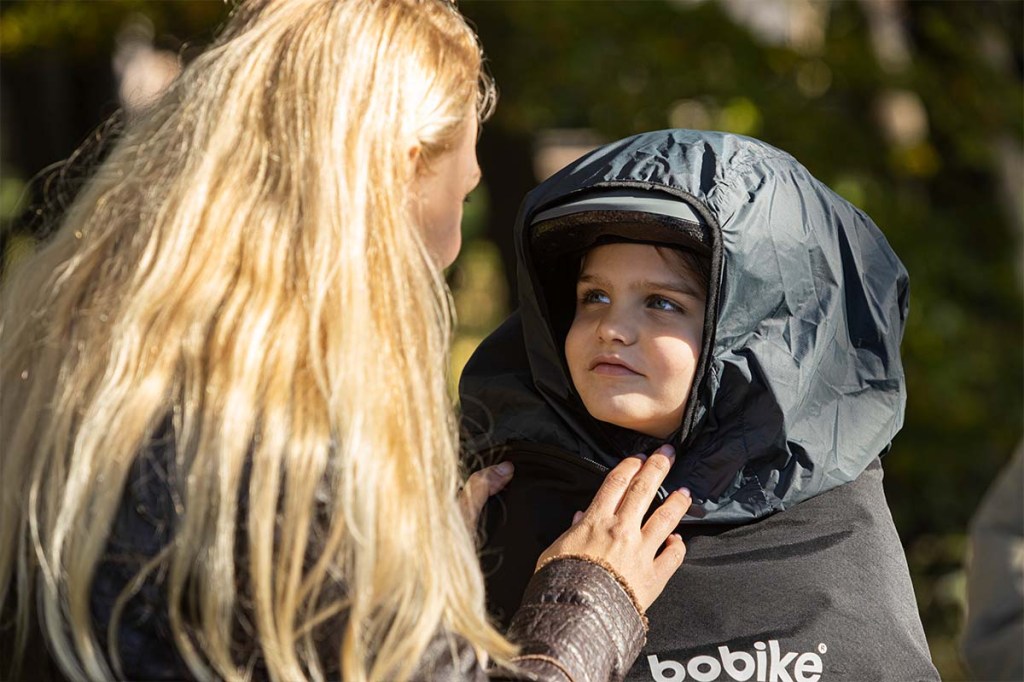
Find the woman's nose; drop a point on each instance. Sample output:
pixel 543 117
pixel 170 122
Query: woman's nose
pixel 616 326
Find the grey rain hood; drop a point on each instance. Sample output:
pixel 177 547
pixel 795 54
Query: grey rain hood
pixel 799 386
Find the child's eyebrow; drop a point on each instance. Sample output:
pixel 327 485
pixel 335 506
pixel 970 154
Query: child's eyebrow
pixel 680 286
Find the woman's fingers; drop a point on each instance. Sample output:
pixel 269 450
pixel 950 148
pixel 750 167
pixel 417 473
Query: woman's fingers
pixel 641 492
pixel 666 518
pixel 610 530
pixel 480 486
pixel 615 485
pixel 670 558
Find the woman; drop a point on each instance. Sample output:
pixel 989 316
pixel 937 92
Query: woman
pixel 228 450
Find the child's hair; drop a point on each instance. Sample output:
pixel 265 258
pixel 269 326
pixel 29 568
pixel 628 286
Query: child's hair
pixel 244 264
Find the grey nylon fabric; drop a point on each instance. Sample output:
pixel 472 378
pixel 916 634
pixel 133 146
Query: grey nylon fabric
pixel 803 385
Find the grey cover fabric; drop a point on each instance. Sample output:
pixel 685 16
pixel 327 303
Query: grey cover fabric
pixel 817 593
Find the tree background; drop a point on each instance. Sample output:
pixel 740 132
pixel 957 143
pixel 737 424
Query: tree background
pixel 913 110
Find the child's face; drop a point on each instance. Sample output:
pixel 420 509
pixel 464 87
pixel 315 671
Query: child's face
pixel 633 346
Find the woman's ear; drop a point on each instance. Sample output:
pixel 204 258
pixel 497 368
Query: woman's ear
pixel 414 153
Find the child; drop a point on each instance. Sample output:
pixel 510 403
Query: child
pixel 703 289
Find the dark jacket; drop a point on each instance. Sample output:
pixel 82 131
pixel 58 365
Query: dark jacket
pixel 799 389
pixel 576 621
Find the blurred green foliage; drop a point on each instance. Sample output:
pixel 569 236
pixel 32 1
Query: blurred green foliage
pixel 946 196
pixel 87 28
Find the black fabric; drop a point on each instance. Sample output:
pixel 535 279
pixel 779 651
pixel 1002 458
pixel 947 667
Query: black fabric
pixel 529 514
pixel 143 527
pixel 799 389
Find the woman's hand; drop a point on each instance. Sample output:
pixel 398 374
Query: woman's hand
pixel 610 529
pixel 479 487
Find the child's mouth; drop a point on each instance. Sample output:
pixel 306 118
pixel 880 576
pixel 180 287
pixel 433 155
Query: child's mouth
pixel 613 369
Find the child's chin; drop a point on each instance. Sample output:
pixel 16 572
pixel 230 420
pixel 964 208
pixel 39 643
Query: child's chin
pixel 631 422
pixel 624 421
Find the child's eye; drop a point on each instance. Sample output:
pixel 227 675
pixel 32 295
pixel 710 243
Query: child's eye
pixel 594 296
pixel 662 303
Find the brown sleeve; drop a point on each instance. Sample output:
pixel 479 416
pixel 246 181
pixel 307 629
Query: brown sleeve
pixel 577 623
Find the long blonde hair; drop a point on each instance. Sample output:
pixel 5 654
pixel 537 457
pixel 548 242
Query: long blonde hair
pixel 244 264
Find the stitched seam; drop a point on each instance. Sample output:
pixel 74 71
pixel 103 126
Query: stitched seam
pixel 547 659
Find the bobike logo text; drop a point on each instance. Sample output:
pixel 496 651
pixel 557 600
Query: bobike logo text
pixel 766 663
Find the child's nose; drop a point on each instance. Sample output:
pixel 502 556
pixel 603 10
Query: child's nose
pixel 616 326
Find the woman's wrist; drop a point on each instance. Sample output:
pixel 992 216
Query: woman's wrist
pixel 577 611
pixel 610 570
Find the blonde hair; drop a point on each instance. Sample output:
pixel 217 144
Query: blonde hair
pixel 244 264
